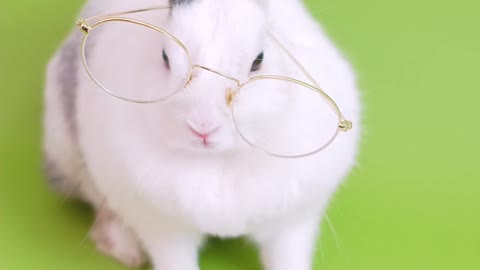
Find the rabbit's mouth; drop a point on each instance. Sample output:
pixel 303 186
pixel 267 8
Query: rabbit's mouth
pixel 207 146
pixel 204 138
pixel 214 141
pixel 206 143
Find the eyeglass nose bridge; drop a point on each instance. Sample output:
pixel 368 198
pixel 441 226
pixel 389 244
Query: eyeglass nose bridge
pixel 217 72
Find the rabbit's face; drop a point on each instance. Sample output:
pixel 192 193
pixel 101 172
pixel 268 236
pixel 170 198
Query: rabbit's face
pixel 225 36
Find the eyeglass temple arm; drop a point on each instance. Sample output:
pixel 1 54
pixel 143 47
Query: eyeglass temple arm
pixel 84 25
pixel 344 124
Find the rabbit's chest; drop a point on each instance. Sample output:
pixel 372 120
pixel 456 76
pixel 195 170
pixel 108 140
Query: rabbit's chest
pixel 227 201
pixel 220 200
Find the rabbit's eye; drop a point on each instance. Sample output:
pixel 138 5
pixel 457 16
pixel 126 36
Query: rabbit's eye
pixel 257 63
pixel 165 59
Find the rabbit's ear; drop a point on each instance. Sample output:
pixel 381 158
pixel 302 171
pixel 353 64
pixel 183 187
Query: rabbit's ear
pixel 180 2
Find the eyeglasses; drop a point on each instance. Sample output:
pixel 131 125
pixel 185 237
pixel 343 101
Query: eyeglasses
pixel 261 107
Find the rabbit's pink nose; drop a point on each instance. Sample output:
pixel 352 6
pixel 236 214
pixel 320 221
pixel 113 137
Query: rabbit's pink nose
pixel 203 136
pixel 203 122
pixel 203 131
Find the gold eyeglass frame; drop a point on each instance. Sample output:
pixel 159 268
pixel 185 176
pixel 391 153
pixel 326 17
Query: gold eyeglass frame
pixel 344 125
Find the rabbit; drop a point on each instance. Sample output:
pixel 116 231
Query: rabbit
pixel 161 177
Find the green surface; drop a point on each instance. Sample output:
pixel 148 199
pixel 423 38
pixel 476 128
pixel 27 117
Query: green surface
pixel 413 203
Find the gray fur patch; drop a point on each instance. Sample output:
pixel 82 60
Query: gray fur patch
pixel 180 2
pixel 68 81
pixel 56 179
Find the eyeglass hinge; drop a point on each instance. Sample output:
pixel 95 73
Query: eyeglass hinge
pixel 345 125
pixel 83 25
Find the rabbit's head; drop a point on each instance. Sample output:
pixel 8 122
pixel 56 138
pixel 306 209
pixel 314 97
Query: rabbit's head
pixel 227 37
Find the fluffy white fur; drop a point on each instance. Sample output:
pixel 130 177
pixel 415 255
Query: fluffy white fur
pixel 143 163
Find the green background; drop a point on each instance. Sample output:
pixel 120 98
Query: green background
pixel 413 202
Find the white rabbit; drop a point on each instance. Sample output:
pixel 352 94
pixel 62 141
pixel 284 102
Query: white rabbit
pixel 156 188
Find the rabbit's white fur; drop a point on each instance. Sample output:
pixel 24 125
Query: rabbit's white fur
pixel 143 163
